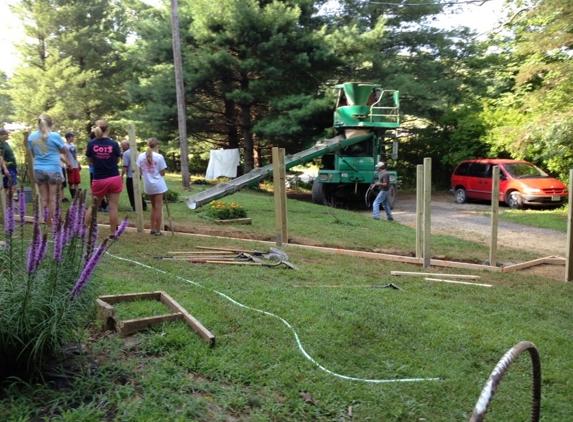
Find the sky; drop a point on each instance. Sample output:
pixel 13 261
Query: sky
pixel 481 17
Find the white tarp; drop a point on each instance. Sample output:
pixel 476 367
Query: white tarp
pixel 223 162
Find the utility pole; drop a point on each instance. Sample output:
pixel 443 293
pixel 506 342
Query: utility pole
pixel 180 90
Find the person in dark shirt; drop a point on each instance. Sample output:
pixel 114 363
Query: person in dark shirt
pixel 382 197
pixel 104 154
pixel 8 164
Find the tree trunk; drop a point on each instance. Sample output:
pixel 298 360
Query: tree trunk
pixel 180 91
pixel 248 151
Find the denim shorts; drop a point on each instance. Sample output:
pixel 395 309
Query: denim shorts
pixel 43 177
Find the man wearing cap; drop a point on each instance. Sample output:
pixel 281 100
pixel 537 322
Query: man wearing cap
pixel 126 171
pixel 7 164
pixel 74 177
pixel 382 197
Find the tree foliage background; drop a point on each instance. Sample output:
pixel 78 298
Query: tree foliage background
pixel 258 74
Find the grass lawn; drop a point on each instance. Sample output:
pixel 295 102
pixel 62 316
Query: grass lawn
pixel 320 344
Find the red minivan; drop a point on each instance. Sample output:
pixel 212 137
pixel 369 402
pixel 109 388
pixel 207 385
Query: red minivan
pixel 520 183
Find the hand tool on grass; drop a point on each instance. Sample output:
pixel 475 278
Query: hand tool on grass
pixel 168 214
pixel 273 253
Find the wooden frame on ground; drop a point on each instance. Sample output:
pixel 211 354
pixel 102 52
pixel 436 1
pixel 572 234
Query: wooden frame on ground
pixel 106 312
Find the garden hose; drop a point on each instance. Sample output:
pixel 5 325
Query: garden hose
pixel 370 190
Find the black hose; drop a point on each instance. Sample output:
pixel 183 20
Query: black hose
pixel 499 371
pixel 369 191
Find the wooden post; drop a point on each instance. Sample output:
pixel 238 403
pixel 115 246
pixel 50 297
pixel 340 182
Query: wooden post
pixel 494 216
pixel 30 166
pixel 419 209
pixel 427 210
pixel 280 195
pixel 136 178
pixel 569 252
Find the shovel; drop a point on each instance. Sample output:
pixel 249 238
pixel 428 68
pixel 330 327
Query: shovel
pixel 168 215
pixel 272 253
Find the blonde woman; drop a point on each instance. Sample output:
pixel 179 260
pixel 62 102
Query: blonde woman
pixel 46 147
pixel 104 154
pixel 152 165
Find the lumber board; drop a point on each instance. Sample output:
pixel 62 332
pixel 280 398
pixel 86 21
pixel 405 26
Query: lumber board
pixel 235 220
pixel 127 327
pixel 131 297
pixel 374 255
pixel 458 282
pixel 554 260
pixel 223 252
pixel 131 326
pixel 473 277
pixel 527 264
pixel 106 313
pixel 195 325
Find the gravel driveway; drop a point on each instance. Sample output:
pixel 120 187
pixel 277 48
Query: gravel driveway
pixel 467 221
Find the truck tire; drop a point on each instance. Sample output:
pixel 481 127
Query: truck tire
pixel 318 194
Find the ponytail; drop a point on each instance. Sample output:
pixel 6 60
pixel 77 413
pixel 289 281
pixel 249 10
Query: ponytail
pixel 45 124
pixel 151 143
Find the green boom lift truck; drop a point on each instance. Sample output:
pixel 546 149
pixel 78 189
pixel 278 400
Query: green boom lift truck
pixel 364 113
pixel 346 174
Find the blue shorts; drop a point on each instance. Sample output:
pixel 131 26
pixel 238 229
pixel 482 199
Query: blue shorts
pixel 14 174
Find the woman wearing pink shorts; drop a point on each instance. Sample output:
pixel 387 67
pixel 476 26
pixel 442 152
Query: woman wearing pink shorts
pixel 104 154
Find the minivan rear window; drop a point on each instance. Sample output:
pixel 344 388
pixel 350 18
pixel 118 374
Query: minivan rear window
pixel 462 169
pixel 478 170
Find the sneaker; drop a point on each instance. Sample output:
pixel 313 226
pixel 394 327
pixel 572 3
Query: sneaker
pixel 158 234
pixel 112 236
pixel 376 218
pixel 65 200
pixel 390 219
pixel 152 232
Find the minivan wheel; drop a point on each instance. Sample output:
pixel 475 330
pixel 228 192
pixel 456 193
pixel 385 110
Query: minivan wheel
pixel 514 200
pixel 461 195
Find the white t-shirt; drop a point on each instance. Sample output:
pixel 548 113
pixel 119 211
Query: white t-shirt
pixel 153 182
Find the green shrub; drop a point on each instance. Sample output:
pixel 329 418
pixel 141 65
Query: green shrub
pixel 45 297
pixel 225 210
pixel 172 196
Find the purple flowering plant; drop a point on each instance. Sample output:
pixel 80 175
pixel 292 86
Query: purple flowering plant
pixel 46 298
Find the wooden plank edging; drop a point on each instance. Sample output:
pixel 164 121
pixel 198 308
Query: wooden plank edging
pixel 106 312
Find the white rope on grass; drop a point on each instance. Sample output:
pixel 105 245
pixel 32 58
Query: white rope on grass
pixel 345 377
